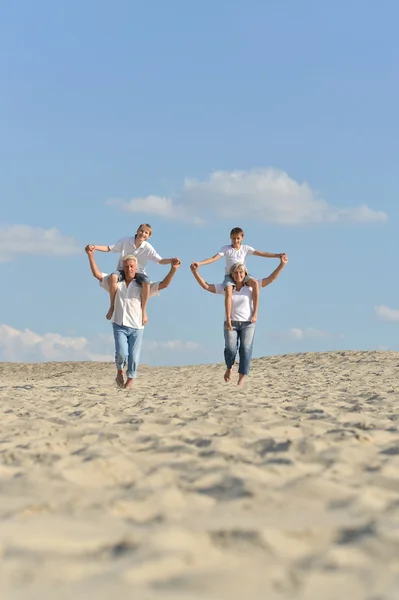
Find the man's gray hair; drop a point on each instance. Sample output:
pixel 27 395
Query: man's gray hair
pixel 129 257
pixel 238 267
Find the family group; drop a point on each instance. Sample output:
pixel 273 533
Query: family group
pixel 130 288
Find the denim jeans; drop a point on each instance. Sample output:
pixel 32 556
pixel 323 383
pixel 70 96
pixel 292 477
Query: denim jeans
pixel 127 348
pixel 139 277
pixel 228 280
pixel 241 339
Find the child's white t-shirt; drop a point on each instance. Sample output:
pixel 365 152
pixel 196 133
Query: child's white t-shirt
pixel 143 253
pixel 234 256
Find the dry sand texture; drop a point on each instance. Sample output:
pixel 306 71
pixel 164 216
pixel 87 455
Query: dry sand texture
pixel 187 488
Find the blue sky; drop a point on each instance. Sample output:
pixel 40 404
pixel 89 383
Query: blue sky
pixel 276 116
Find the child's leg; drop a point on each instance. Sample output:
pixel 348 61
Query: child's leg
pixel 113 286
pixel 255 297
pixel 228 302
pixel 145 294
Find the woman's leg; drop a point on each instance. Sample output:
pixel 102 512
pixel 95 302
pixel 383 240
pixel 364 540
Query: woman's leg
pixel 134 341
pixel 121 351
pixel 246 335
pixel 230 349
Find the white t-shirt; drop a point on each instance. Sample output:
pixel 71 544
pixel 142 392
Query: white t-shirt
pixel 235 256
pixel 143 253
pixel 128 302
pixel 242 306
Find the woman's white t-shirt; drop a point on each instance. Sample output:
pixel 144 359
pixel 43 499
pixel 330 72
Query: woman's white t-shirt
pixel 233 256
pixel 242 306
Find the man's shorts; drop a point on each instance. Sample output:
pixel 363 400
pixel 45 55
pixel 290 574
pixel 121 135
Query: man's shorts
pixel 228 280
pixel 140 278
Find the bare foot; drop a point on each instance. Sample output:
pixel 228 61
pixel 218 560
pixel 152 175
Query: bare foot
pixel 120 382
pixel 240 381
pixel 129 383
pixel 109 314
pixel 227 375
pixel 145 318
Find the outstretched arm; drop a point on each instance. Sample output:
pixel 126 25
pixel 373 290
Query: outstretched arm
pixel 209 287
pixel 268 254
pixel 168 261
pixel 207 261
pixel 173 268
pixel 100 248
pixel 268 280
pixel 93 265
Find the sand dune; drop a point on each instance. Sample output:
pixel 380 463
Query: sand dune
pixel 188 488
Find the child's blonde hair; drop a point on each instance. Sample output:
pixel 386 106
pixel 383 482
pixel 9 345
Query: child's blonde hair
pixel 146 226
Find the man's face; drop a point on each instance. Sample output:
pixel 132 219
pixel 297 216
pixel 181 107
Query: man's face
pixel 130 269
pixel 238 275
pixel 236 239
pixel 143 234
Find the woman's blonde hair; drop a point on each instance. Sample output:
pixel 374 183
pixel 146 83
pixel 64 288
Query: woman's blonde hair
pixel 238 267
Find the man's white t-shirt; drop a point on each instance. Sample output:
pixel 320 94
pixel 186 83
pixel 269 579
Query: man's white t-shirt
pixel 242 306
pixel 127 310
pixel 143 253
pixel 233 256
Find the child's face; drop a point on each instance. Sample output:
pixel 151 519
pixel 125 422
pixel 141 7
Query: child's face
pixel 143 234
pixel 236 239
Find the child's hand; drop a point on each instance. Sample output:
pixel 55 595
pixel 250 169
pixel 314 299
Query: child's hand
pixel 194 266
pixel 89 248
pixel 284 258
pixel 176 262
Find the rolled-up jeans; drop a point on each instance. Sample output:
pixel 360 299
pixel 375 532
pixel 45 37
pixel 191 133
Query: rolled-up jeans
pixel 127 348
pixel 241 338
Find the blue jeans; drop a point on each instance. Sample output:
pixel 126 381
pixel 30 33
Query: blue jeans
pixel 139 277
pixel 241 339
pixel 127 348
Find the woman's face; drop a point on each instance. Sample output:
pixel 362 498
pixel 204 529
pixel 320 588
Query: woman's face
pixel 238 275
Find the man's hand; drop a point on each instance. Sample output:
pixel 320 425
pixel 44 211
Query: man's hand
pixel 194 266
pixel 175 262
pixel 89 249
pixel 284 258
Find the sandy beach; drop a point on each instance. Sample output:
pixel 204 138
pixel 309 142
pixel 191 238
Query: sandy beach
pixel 188 488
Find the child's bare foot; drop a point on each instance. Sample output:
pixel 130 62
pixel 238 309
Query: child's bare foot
pixel 129 383
pixel 120 382
pixel 109 314
pixel 240 381
pixel 145 318
pixel 227 375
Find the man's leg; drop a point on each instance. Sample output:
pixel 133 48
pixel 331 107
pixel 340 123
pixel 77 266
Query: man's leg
pixel 246 336
pixel 230 351
pixel 121 351
pixel 134 344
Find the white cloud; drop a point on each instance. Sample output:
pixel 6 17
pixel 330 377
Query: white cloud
pixel 157 205
pixel 267 194
pixel 22 239
pixel 171 345
pixel 27 346
pixel 390 314
pixel 300 334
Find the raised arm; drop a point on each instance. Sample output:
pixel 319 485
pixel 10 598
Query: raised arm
pixel 173 268
pixel 268 254
pixel 209 287
pixel 207 261
pixel 93 265
pixel 268 280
